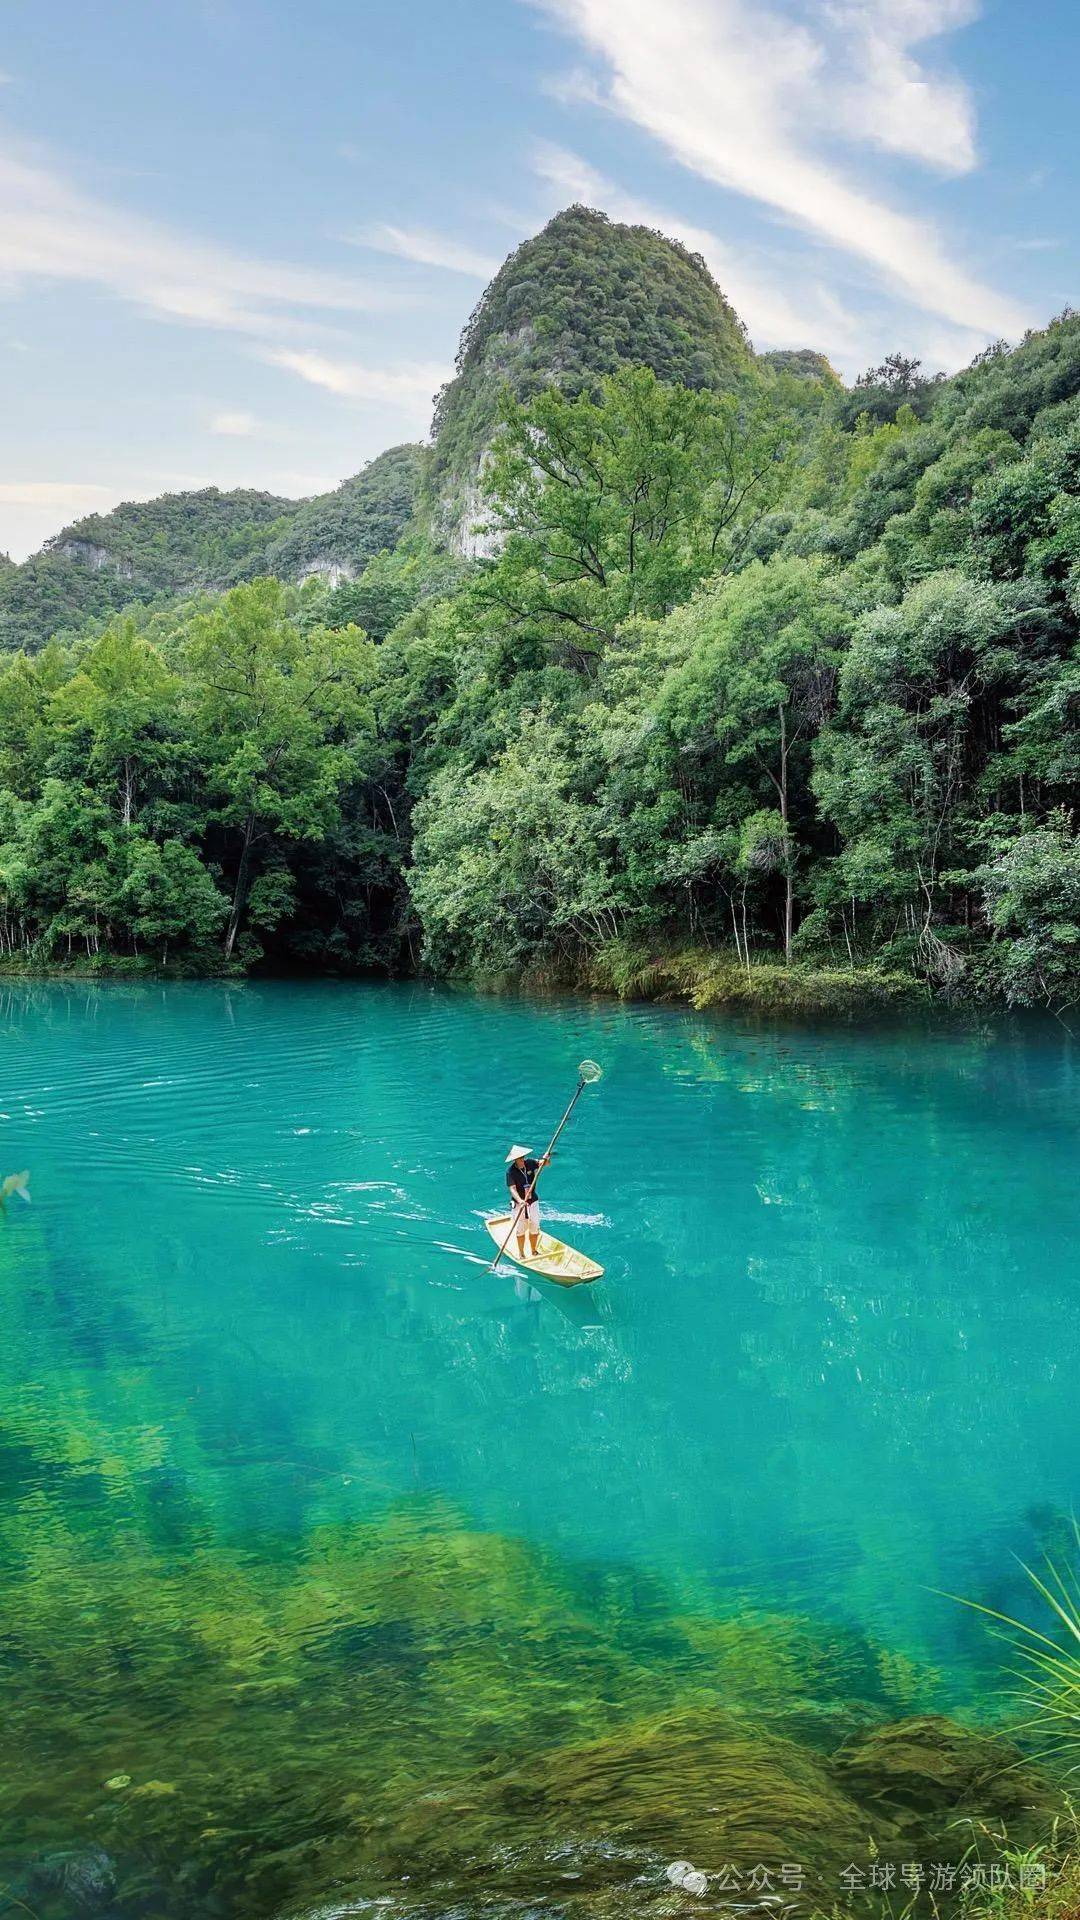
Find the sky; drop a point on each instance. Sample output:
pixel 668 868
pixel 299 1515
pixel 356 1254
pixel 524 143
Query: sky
pixel 239 238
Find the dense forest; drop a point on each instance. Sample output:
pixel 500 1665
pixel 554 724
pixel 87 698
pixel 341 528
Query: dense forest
pixel 759 673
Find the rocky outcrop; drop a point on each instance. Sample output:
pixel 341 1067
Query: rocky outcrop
pixel 468 530
pixel 98 559
pixel 335 573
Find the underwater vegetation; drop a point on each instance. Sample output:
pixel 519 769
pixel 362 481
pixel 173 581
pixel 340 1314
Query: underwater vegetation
pixel 1047 1670
pixel 408 1708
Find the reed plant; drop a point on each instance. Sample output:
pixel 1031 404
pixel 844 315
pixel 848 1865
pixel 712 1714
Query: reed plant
pixel 1047 1668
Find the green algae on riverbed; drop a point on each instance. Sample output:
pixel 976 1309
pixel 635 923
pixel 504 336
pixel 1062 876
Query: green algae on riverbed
pixel 409 1703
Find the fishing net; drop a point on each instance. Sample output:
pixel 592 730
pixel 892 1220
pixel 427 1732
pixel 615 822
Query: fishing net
pixel 589 1071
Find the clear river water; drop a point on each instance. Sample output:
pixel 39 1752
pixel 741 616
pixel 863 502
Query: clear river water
pixel 335 1567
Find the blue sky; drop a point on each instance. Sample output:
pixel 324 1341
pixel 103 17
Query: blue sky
pixel 239 238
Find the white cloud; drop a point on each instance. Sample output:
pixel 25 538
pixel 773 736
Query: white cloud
pixel 427 248
pixel 236 426
pixel 577 88
pixel 886 97
pixel 749 98
pixel 410 383
pixel 69 496
pixel 50 230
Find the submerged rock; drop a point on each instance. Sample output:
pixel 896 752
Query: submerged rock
pixel 85 1875
pixel 922 1769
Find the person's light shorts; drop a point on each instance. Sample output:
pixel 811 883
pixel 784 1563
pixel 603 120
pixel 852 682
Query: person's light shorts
pixel 527 1217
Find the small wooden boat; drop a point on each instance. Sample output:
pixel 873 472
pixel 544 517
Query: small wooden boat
pixel 555 1260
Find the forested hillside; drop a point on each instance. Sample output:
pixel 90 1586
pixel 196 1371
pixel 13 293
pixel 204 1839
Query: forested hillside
pixel 187 542
pixel 141 550
pixel 783 671
pixel 760 676
pixel 336 534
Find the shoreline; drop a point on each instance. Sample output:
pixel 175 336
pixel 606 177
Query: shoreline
pixel 705 980
pixel 696 978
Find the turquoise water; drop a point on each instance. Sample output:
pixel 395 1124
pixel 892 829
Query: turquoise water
pixel 252 1350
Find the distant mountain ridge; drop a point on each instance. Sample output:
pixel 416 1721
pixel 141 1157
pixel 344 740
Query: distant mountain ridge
pixel 182 543
pixel 335 534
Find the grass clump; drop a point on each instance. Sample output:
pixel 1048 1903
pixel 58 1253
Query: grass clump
pixel 718 979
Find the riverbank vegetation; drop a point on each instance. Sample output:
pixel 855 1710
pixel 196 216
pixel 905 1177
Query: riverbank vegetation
pixel 720 979
pixel 771 674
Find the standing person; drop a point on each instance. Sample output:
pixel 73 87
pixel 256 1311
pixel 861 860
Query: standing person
pixel 521 1175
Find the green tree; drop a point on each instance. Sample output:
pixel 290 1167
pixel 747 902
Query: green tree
pixel 57 866
pixel 116 717
pixel 917 754
pixel 281 718
pixel 391 585
pixel 166 897
pixel 763 651
pixel 619 506
pixel 1031 897
pixel 506 861
pixel 28 684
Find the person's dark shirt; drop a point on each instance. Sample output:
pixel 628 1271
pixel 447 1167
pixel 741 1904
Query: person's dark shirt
pixel 518 1179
